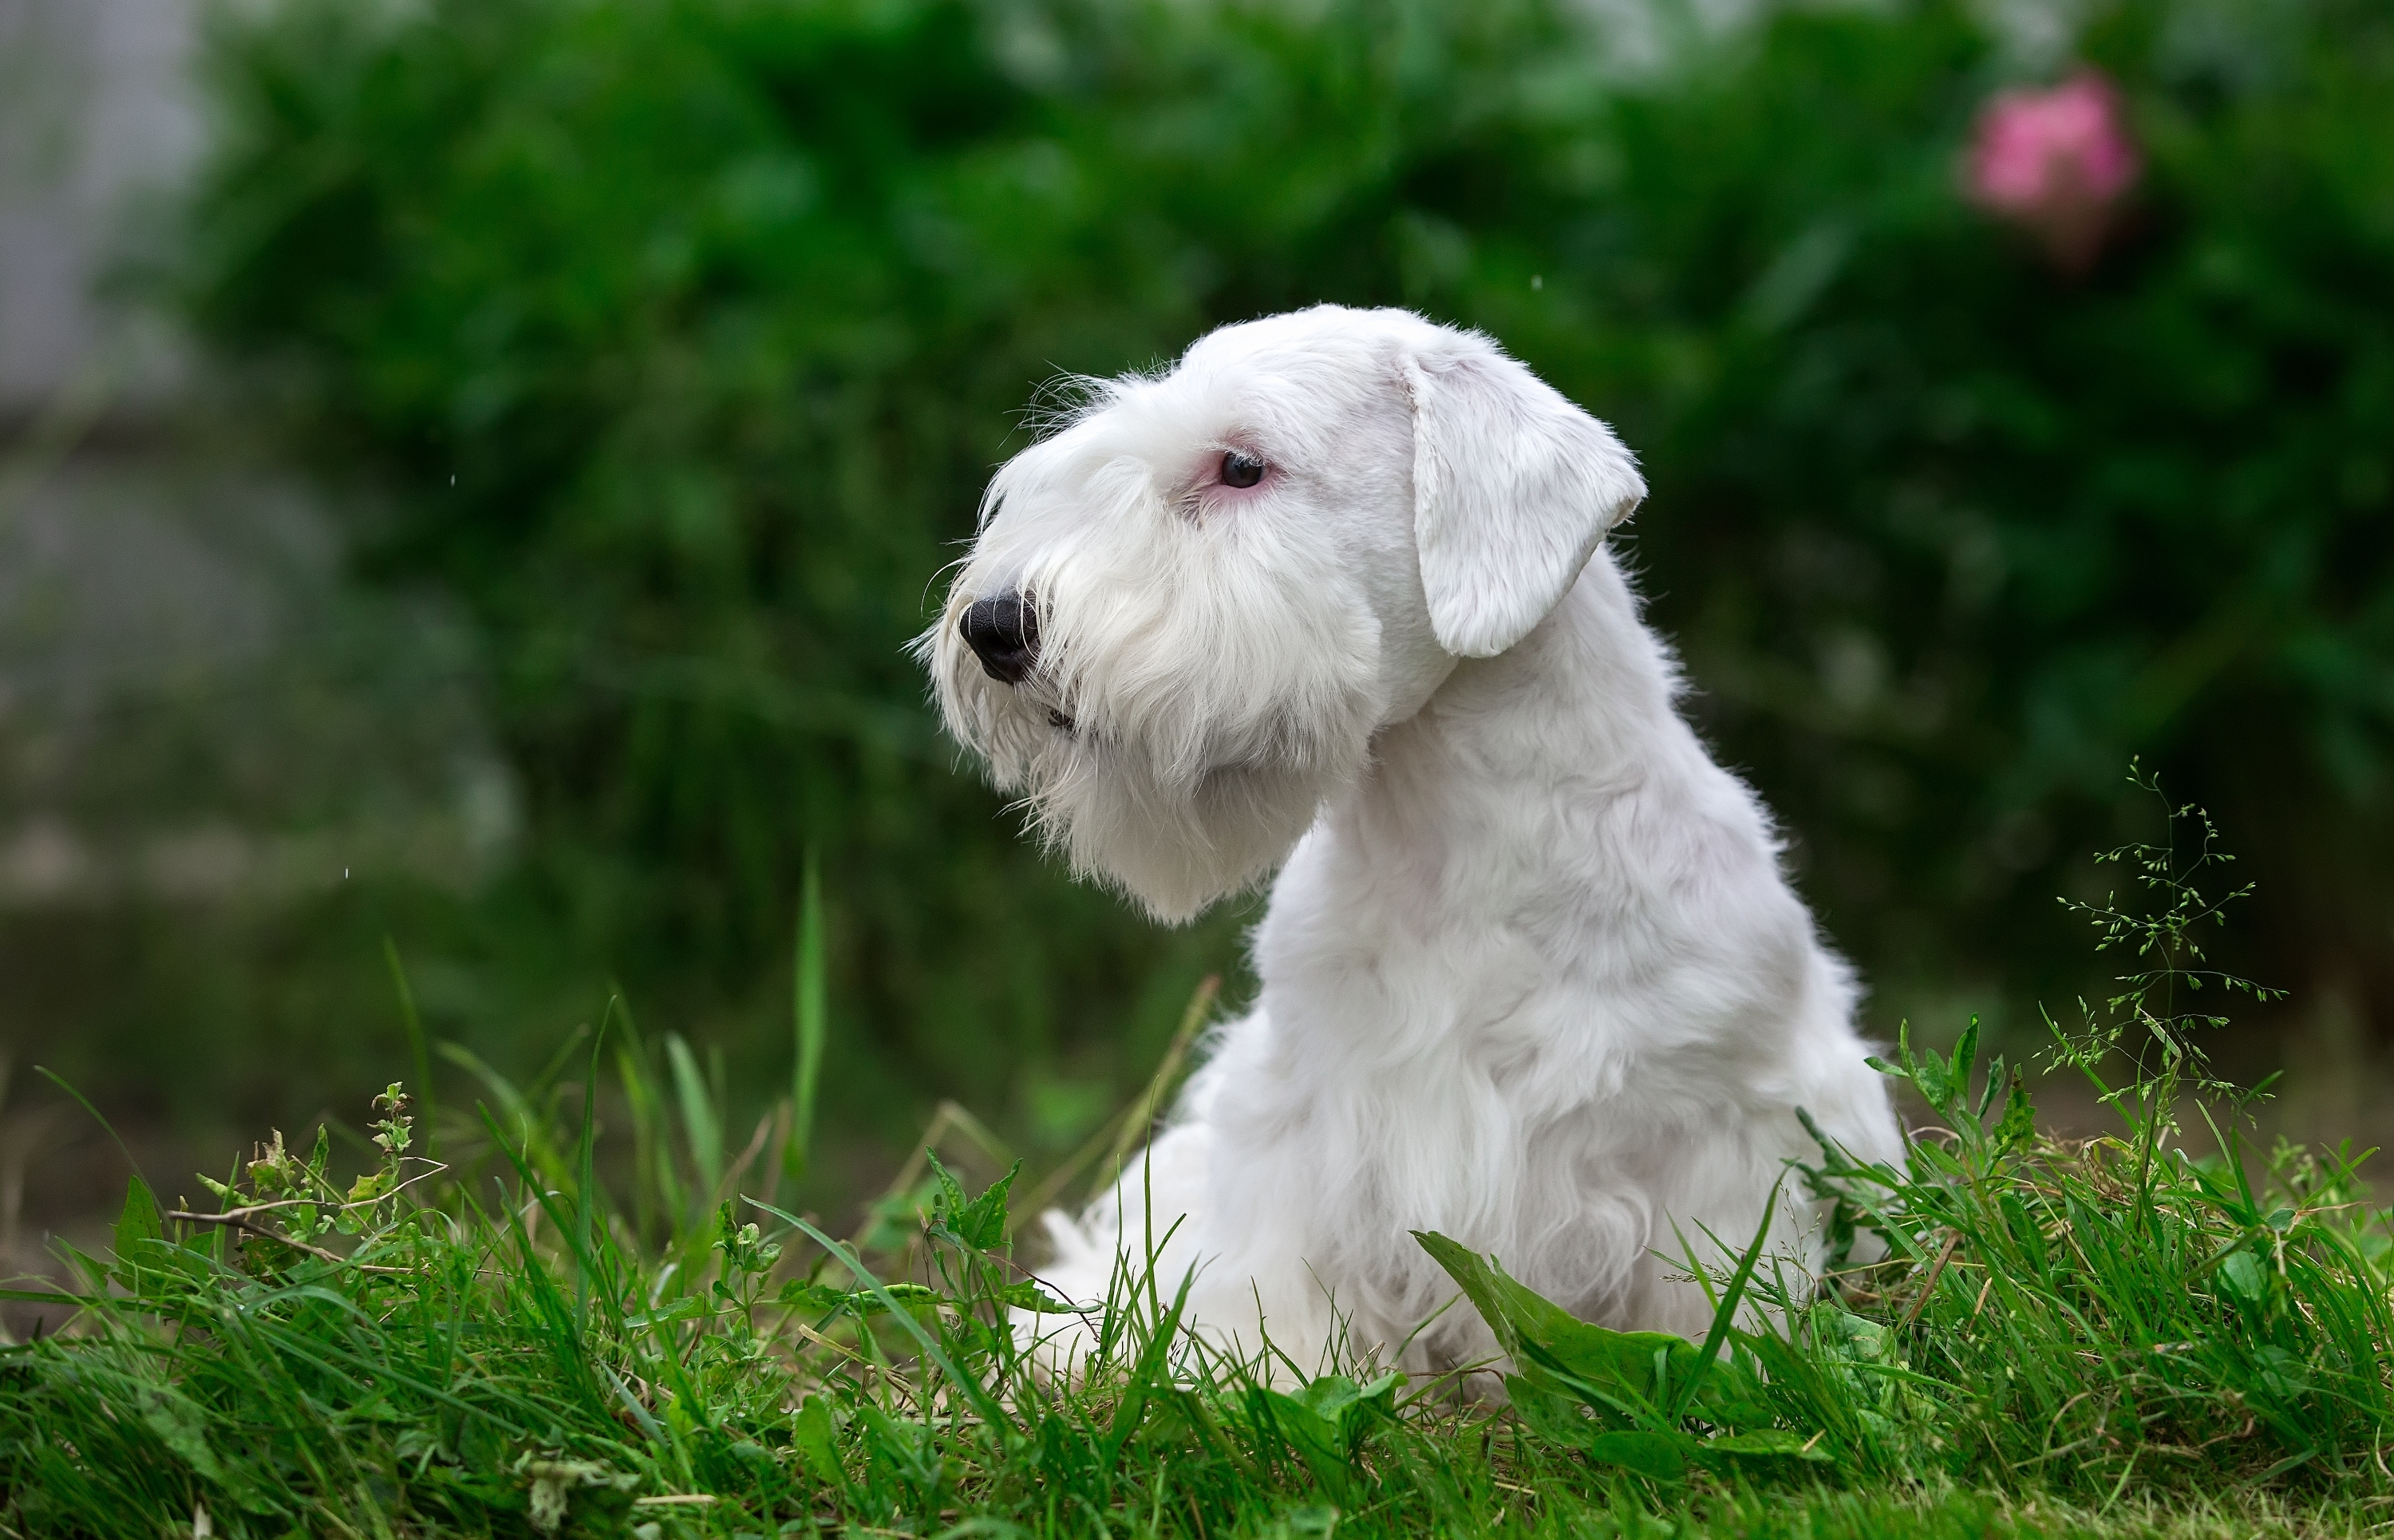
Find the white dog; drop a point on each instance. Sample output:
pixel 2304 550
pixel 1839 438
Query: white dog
pixel 1332 592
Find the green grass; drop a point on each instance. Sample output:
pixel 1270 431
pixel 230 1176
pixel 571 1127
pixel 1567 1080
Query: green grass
pixel 594 1313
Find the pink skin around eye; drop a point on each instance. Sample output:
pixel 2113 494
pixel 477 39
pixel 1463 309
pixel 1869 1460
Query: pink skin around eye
pixel 1208 490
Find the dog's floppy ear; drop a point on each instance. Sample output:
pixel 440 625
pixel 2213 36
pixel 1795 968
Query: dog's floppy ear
pixel 1513 488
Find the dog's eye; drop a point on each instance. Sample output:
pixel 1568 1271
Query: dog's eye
pixel 1241 470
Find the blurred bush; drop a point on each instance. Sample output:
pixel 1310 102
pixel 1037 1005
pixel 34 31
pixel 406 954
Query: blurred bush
pixel 677 337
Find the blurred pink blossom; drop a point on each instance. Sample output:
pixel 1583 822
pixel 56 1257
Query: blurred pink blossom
pixel 2055 163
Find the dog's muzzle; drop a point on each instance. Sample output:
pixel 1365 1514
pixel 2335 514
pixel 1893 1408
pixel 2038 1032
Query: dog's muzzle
pixel 1003 633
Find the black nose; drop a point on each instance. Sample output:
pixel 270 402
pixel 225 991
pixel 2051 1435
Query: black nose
pixel 1003 633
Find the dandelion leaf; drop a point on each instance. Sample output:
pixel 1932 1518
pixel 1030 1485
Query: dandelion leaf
pixel 1657 1456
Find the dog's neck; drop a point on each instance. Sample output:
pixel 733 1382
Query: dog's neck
pixel 1508 771
pixel 1546 833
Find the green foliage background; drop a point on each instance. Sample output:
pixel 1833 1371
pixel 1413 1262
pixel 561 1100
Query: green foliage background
pixel 677 337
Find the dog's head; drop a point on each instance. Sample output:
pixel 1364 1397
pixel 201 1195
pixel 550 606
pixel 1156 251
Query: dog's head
pixel 1190 607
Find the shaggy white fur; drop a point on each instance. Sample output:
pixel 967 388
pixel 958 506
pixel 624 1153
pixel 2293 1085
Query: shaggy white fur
pixel 1331 592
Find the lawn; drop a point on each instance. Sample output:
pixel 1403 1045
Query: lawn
pixel 586 1310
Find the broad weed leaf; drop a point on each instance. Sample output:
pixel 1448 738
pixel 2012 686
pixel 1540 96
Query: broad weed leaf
pixel 949 1200
pixel 982 1223
pixel 141 1242
pixel 2241 1274
pixel 1309 1432
pixel 1631 1366
pixel 1516 1314
pixel 816 1437
pixel 2018 1126
pixel 1635 1378
pixel 1347 1406
pixel 1731 1396
pixel 1957 1069
pixel 182 1427
pixel 1930 1073
pixel 1772 1443
pixel 1030 1297
pixel 137 1221
pixel 1657 1456
pixel 1551 1345
pixel 978 1223
pixel 916 1298
pixel 1326 1420
pixel 679 1309
pixel 1555 1414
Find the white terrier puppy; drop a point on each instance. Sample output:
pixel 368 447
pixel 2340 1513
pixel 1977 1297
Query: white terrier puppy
pixel 1332 592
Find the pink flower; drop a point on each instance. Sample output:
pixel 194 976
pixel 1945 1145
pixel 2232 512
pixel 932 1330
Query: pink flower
pixel 2055 163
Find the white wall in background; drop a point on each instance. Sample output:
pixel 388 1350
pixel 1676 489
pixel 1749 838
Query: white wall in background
pixel 195 704
pixel 98 119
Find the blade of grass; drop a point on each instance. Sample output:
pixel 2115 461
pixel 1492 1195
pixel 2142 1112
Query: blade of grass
pixel 1725 1313
pixel 585 1195
pixel 988 1405
pixel 809 1018
pixel 702 1129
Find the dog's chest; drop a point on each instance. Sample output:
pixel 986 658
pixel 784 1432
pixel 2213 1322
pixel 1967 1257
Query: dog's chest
pixel 1513 1075
pixel 1535 999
